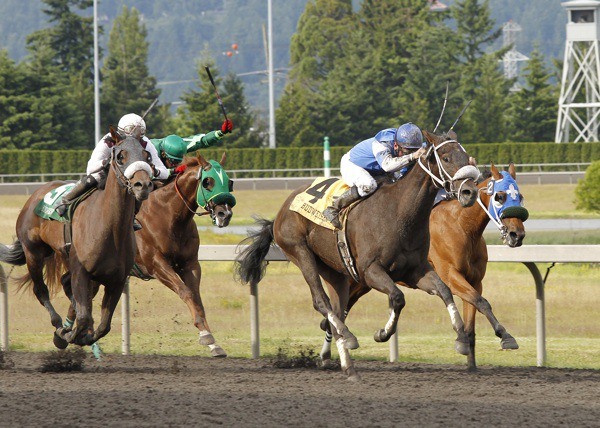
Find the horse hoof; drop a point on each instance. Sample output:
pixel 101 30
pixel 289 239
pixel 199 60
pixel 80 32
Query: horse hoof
pixel 350 342
pixel 323 324
pixel 59 342
pixel 206 338
pixel 217 352
pixel 380 336
pixel 353 376
pixel 509 343
pixel 326 364
pixel 461 347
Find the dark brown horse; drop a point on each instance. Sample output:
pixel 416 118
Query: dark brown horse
pixel 167 245
pixel 458 251
pixel 103 244
pixel 388 236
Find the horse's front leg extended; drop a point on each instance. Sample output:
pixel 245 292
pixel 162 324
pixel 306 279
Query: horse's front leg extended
pixel 112 294
pixel 82 290
pixel 377 278
pixel 431 283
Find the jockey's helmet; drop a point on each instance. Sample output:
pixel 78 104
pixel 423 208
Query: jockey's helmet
pixel 174 147
pixel 132 125
pixel 409 136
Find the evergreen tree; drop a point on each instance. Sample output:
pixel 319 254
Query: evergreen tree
pixel 14 104
pixel 320 40
pixel 127 86
pixel 67 48
pixel 533 109
pixel 201 112
pixel 474 27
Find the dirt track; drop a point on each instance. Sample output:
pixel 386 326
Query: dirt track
pixel 187 391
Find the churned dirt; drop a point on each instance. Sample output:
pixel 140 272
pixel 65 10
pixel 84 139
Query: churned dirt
pixel 153 390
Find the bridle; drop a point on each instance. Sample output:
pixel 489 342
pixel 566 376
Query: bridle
pixel 446 181
pixel 503 229
pixel 122 176
pixel 209 207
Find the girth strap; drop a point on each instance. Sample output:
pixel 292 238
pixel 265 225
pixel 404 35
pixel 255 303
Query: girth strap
pixel 344 248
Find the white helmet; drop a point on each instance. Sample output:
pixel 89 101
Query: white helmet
pixel 132 125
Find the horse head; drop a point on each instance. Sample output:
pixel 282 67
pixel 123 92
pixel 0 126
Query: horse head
pixel 131 164
pixel 505 205
pixel 450 167
pixel 214 190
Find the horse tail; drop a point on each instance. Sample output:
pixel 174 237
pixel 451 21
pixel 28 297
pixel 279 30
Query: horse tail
pixel 13 254
pixel 54 267
pixel 250 264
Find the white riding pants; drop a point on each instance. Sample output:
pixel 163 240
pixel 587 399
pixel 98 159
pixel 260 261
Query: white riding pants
pixel 354 175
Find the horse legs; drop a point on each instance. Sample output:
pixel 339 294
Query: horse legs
pixel 469 313
pixel 187 287
pixel 431 283
pixel 112 294
pixel 35 266
pixel 82 295
pixel 377 278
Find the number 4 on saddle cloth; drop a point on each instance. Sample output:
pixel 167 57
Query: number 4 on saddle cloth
pixel 321 193
pixel 46 208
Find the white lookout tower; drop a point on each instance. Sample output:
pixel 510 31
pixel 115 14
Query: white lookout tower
pixel 579 102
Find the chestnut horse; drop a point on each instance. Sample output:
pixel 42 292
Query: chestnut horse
pixel 103 244
pixel 388 236
pixel 458 251
pixel 167 245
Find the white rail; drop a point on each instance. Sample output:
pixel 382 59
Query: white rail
pixel 529 255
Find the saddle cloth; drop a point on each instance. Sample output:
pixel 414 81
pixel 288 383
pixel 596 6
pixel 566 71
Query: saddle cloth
pixel 320 194
pixel 46 208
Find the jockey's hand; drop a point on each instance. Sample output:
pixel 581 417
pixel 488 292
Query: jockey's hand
pixel 105 163
pixel 227 126
pixel 416 155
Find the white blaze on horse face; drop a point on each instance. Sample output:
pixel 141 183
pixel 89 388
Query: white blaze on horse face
pixel 453 311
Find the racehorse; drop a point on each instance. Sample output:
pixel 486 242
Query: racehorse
pixel 458 251
pixel 388 236
pixel 167 245
pixel 102 245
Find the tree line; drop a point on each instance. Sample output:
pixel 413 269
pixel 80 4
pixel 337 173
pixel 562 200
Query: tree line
pixel 352 73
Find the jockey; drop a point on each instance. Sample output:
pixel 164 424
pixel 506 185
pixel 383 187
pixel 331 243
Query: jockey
pixel 391 150
pixel 172 148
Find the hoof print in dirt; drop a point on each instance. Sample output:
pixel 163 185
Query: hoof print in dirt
pixel 67 360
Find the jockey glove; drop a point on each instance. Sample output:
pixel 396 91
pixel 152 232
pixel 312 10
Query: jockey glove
pixel 227 126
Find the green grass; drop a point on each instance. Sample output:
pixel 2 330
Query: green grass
pixel 161 322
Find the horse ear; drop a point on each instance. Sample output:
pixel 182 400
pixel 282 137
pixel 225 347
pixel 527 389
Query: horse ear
pixel 430 137
pixel 452 135
pixel 512 170
pixel 114 134
pixel 204 163
pixel 223 159
pixel 495 173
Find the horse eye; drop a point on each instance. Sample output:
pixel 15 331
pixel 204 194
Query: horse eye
pixel 121 157
pixel 501 197
pixel 148 157
pixel 446 159
pixel 208 183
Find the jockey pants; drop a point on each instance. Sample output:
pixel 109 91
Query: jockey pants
pixel 354 175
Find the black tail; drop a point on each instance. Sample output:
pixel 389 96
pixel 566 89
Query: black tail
pixel 12 254
pixel 250 264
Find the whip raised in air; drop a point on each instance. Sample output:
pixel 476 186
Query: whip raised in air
pixel 216 92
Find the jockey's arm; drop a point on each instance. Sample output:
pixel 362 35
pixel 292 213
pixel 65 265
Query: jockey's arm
pixel 100 153
pixel 387 161
pixel 161 169
pixel 200 141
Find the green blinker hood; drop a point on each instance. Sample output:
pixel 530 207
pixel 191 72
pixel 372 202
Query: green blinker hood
pixel 220 192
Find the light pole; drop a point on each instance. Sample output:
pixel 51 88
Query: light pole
pixel 96 78
pixel 272 143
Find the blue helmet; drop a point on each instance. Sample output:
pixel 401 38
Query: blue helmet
pixel 409 136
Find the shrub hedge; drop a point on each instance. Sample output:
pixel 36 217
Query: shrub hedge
pixel 75 161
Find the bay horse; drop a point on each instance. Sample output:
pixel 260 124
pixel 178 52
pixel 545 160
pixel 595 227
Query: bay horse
pixel 167 245
pixel 388 236
pixel 102 245
pixel 458 251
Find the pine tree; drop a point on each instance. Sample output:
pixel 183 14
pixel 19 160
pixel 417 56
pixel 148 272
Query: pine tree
pixel 127 86
pixel 201 112
pixel 533 108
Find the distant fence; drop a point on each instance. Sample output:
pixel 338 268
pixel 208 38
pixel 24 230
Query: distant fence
pixel 529 255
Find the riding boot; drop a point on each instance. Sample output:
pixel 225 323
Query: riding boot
pixel 136 224
pixel 332 212
pixel 82 186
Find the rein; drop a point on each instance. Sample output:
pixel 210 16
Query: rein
pixel 445 182
pixel 208 211
pixel 121 178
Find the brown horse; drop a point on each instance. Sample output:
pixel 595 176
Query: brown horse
pixel 388 236
pixel 458 251
pixel 103 244
pixel 167 245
